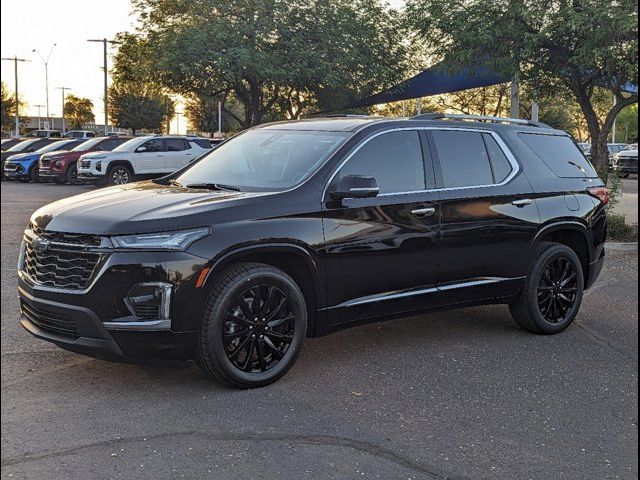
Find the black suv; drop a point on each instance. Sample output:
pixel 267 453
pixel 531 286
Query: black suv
pixel 298 229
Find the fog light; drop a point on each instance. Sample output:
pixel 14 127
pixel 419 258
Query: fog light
pixel 150 301
pixel 99 166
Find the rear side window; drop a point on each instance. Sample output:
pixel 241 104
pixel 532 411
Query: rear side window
pixel 560 154
pixel 394 159
pixel 108 145
pixel 177 145
pixel 499 163
pixel 201 142
pixel 464 159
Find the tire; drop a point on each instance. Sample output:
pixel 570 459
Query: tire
pixel 119 175
pixel 72 175
pixel 232 346
pixel 550 301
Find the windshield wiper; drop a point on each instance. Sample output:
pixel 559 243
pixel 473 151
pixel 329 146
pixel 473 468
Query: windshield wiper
pixel 214 186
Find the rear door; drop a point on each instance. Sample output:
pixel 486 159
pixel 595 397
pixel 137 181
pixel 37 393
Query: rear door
pixel 149 157
pixel 488 219
pixel 178 153
pixel 381 253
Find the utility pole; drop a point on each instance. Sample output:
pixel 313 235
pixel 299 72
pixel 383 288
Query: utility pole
pixel 105 67
pixel 39 115
pixel 64 89
pixel 15 61
pixel 178 122
pixel 46 76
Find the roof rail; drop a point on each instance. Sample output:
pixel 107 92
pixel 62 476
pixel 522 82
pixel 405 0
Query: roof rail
pixel 479 118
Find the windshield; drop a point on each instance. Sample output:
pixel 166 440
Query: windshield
pixel 22 145
pixel 264 159
pixel 54 146
pixel 130 144
pixel 89 144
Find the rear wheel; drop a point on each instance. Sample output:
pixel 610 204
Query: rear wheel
pixel 553 291
pixel 254 324
pixel 119 175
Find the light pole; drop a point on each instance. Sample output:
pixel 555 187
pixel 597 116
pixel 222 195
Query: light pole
pixel 64 89
pixel 178 113
pixel 39 116
pixel 46 75
pixel 15 61
pixel 105 67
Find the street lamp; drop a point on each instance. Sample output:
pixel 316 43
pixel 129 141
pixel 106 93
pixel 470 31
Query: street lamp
pixel 46 75
pixel 64 89
pixel 39 116
pixel 15 61
pixel 105 67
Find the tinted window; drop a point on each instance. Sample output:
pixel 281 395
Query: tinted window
pixel 394 159
pixel 499 164
pixel 560 154
pixel 108 145
pixel 202 142
pixel 177 145
pixel 154 145
pixel 463 158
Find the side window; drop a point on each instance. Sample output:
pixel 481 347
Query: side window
pixel 499 163
pixel 177 145
pixel 107 145
pixel 394 159
pixel 154 145
pixel 463 158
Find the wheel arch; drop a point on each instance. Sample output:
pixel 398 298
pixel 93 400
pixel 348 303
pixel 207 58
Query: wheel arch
pixel 295 260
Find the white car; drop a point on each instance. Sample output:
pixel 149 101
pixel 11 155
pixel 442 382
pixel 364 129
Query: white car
pixel 149 156
pixel 80 134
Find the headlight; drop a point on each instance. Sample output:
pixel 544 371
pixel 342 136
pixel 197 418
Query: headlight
pixel 161 241
pixel 58 163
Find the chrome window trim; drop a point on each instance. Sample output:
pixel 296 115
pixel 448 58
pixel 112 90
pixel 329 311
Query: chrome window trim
pixel 515 166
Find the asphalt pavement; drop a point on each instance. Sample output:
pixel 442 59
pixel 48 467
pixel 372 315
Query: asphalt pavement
pixel 461 394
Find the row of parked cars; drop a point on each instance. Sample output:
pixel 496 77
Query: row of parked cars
pixel 112 160
pixel 623 158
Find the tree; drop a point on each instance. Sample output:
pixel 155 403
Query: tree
pixel 8 104
pixel 277 59
pixel 139 107
pixel 78 111
pixel 577 45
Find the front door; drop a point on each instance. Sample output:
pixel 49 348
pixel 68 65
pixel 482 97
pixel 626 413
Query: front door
pixel 381 253
pixel 149 157
pixel 488 217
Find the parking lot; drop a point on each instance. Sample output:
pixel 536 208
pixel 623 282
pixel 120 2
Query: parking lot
pixel 462 394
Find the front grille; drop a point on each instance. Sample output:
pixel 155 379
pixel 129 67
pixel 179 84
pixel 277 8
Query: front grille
pixel 44 163
pixel 627 161
pixel 85 164
pixel 58 323
pixel 64 263
pixel 10 167
pixel 146 312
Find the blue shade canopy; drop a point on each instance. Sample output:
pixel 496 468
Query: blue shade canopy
pixel 436 81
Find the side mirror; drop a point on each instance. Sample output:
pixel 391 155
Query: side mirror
pixel 355 186
pixel 141 149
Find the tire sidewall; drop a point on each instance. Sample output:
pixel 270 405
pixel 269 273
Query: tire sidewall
pixel 553 253
pixel 71 180
pixel 222 306
pixel 113 169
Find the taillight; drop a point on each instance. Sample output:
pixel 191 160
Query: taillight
pixel 601 193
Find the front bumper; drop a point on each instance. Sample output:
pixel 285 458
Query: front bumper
pixel 89 177
pixel 97 323
pixel 52 175
pixel 13 170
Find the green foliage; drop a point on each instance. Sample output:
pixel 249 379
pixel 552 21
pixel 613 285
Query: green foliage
pixel 139 106
pixel 8 106
pixel 627 124
pixel 278 59
pixel 202 113
pixel 557 44
pixel 78 111
pixel 619 230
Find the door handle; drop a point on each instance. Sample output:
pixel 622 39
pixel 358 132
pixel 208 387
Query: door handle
pixel 522 203
pixel 424 212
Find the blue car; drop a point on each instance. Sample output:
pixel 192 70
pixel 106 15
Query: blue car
pixel 24 166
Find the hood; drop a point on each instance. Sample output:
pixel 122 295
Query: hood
pixel 142 207
pixel 21 157
pixel 628 153
pixel 102 154
pixel 58 154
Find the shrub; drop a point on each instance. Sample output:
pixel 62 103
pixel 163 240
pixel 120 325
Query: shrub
pixel 619 230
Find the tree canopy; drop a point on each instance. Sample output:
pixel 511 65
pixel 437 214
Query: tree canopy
pixel 139 106
pixel 572 45
pixel 78 111
pixel 8 105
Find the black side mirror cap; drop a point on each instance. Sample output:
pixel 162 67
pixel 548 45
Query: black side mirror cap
pixel 355 186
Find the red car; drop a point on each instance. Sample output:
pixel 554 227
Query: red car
pixel 61 166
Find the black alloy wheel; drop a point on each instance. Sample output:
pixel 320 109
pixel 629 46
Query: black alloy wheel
pixel 557 290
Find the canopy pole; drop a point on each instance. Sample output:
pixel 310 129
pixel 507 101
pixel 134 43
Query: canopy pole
pixel 419 108
pixel 515 97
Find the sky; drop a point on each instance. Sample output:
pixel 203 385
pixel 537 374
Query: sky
pixel 74 62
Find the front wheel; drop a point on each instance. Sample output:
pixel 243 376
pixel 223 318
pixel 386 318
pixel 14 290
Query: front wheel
pixel 72 175
pixel 553 290
pixel 254 324
pixel 119 175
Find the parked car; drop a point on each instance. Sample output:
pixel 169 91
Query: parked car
pixel 80 134
pixel 62 166
pixel 148 156
pixel 26 146
pixel 626 162
pixel 24 166
pixel 298 229
pixel 45 134
pixel 7 143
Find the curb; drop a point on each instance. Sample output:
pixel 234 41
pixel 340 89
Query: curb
pixel 622 247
